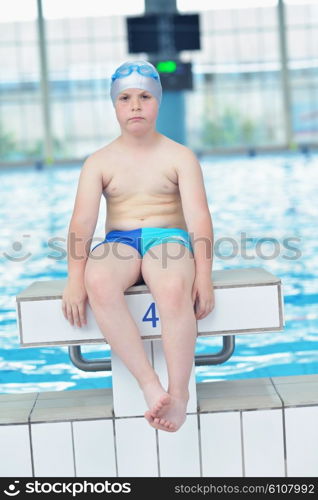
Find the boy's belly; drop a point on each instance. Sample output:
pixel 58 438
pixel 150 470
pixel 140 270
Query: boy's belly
pixel 132 216
pixel 129 224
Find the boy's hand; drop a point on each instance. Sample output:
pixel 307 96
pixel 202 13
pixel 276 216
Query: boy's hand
pixel 202 296
pixel 74 303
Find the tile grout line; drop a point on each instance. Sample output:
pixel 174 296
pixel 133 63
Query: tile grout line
pixel 115 445
pixel 284 426
pixel 242 444
pixel 200 443
pixel 114 430
pixel 73 448
pixel 158 452
pixel 30 435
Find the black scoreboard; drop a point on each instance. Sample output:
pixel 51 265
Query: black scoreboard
pixel 144 32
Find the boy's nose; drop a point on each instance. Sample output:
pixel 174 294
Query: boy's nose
pixel 135 103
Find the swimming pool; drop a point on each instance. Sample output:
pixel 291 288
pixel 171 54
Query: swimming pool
pixel 264 211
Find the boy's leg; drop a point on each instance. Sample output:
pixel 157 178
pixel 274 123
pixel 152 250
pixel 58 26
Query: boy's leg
pixel 169 271
pixel 109 272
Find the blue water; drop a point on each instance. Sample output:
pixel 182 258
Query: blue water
pixel 261 197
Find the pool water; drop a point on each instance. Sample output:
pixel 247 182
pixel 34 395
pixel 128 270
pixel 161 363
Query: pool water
pixel 264 212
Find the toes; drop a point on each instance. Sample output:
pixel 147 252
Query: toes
pixel 161 427
pixel 148 417
pixel 155 410
pixel 157 423
pixel 165 423
pixel 163 401
pixel 167 429
pixel 160 406
pixel 168 425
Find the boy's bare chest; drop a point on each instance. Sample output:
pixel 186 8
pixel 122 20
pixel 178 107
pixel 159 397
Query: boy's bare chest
pixel 145 178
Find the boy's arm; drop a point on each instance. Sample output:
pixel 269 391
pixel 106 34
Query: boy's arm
pixel 196 211
pixel 199 223
pixel 81 230
pixel 84 217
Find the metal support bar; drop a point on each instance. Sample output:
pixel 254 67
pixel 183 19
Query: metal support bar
pixel 98 365
pixel 87 365
pixel 220 357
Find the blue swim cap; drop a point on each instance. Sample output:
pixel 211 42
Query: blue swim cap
pixel 138 75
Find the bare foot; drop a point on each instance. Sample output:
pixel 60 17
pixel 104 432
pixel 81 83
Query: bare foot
pixel 171 416
pixel 156 398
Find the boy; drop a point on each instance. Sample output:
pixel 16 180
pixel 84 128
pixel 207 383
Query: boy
pixel 158 228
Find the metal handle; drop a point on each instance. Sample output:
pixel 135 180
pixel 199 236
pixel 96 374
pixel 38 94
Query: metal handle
pixel 99 365
pixel 220 357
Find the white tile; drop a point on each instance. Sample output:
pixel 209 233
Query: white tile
pixel 300 394
pixel 136 448
pixel 52 449
pixel 179 454
pixel 128 398
pixel 263 443
pixel 221 445
pixel 161 369
pixel 302 441
pixel 15 453
pixel 94 448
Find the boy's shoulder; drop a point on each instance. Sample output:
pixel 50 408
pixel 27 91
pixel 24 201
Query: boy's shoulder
pixel 99 155
pixel 185 162
pixel 179 149
pixel 96 161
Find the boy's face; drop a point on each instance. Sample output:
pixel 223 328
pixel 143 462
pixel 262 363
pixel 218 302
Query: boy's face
pixel 132 103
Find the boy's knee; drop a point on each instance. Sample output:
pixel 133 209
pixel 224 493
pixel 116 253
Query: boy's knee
pixel 99 285
pixel 172 293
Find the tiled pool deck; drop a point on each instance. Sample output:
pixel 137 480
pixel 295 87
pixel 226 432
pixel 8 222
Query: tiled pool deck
pixel 252 428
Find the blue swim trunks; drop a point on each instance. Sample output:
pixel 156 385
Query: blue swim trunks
pixel 142 239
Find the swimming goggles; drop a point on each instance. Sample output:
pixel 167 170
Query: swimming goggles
pixel 143 70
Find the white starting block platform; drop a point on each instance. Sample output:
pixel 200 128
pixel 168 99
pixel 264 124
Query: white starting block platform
pixel 246 301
